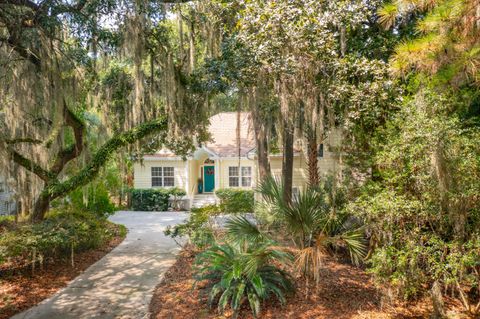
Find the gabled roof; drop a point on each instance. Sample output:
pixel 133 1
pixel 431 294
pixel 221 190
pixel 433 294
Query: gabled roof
pixel 223 129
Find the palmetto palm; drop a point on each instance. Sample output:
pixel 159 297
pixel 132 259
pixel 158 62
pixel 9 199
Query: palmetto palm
pixel 242 274
pixel 315 223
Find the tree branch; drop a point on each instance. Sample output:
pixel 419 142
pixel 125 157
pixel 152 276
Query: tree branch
pixel 36 169
pixel 23 140
pixel 66 155
pixel 102 156
pixel 22 3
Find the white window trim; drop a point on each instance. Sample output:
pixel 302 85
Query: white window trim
pixel 240 176
pixel 162 177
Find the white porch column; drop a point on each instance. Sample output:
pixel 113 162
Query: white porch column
pixel 187 177
pixel 217 173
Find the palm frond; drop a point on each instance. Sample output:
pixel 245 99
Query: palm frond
pixel 308 261
pixel 241 231
pixel 354 241
pixel 239 274
pixel 271 190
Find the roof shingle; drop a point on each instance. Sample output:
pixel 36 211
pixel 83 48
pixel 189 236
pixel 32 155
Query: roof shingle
pixel 223 129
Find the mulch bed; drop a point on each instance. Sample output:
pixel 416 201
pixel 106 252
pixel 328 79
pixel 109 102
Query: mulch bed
pixel 22 289
pixel 345 292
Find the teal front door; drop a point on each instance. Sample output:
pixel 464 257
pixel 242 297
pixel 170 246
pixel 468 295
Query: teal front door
pixel 209 179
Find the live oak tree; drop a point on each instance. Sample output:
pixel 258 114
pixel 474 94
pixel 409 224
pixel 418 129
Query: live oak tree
pixel 51 55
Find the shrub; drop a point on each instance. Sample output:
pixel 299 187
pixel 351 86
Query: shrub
pixel 316 221
pixel 197 228
pixel 150 199
pixel 155 199
pixel 238 275
pixel 61 233
pixel 97 200
pixel 176 194
pixel 234 201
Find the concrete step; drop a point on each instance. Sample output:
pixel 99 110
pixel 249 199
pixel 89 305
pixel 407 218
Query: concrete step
pixel 201 200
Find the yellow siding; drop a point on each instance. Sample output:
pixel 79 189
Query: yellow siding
pixel 327 164
pixel 143 172
pixel 300 173
pixel 193 175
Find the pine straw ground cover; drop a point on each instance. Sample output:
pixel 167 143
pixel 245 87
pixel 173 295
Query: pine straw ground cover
pixel 344 292
pixel 20 290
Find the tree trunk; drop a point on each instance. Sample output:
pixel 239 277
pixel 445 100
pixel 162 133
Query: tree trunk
pixel 437 300
pixel 262 153
pixel 259 126
pixel 287 164
pixel 313 176
pixel 41 207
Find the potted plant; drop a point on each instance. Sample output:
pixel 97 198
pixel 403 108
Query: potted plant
pixel 200 185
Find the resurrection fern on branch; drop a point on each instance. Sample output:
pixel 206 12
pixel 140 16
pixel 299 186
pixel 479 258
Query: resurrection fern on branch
pixel 56 189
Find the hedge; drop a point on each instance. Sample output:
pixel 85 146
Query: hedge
pixel 234 201
pixel 154 199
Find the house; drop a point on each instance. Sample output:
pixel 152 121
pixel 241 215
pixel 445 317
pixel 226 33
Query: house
pixel 225 162
pixel 7 202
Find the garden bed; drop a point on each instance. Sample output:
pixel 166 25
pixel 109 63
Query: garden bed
pixel 344 292
pixel 20 289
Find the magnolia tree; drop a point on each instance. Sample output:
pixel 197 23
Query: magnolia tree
pixel 321 78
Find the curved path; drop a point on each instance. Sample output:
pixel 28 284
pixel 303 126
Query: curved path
pixel 121 284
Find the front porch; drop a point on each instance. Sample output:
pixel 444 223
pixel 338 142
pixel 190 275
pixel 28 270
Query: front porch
pixel 203 173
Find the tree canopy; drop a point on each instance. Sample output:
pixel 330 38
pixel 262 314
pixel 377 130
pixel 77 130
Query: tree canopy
pixel 88 81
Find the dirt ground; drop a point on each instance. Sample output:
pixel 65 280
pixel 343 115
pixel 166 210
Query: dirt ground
pixel 21 290
pixel 344 292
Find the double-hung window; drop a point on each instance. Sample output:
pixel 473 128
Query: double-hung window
pixel 246 176
pixel 163 177
pixel 240 176
pixel 233 176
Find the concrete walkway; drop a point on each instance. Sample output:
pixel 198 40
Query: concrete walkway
pixel 121 284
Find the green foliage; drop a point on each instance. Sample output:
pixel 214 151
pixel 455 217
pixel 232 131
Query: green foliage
pixel 61 234
pixel 317 223
pixel 6 221
pixel 155 199
pixel 239 275
pixel 177 192
pixel 197 227
pixel 234 201
pixel 117 80
pixel 423 213
pixel 175 195
pixel 315 212
pixel 96 200
pixel 150 199
pixel 242 232
pixel 445 46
